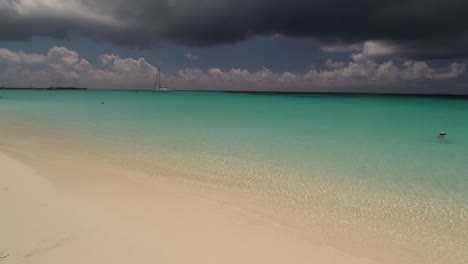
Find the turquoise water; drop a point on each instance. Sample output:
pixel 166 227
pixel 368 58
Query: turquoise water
pixel 380 153
pixel 390 139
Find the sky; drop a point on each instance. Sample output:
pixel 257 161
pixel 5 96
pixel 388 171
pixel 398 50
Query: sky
pixel 388 46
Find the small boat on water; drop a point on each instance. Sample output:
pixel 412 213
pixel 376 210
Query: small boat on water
pixel 52 86
pixel 157 84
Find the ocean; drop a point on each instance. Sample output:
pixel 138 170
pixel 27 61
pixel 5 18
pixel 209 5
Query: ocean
pixel 374 162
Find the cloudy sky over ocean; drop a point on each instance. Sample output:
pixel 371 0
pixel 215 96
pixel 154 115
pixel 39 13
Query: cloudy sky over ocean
pixel 416 46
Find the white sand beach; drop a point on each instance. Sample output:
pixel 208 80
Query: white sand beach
pixel 68 210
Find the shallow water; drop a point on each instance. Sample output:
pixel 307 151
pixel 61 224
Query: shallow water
pixel 373 161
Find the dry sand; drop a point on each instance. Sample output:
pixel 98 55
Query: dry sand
pixel 60 209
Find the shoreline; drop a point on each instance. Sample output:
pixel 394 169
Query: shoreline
pixel 74 167
pixel 95 213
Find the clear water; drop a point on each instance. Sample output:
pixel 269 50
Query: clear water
pixel 365 159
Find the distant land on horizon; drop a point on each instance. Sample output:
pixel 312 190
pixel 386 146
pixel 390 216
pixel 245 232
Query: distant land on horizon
pixel 43 88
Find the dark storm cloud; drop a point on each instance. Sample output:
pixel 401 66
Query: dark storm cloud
pixel 416 28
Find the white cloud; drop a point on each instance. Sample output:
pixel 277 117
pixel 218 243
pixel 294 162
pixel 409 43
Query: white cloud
pixel 353 74
pixel 373 50
pixel 67 68
pixel 330 64
pixel 191 57
pixel 66 10
pixel 456 70
pixel 367 50
pixel 10 57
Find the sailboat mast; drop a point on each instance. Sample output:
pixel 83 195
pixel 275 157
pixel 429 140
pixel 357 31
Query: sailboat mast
pixel 159 78
pixel 157 82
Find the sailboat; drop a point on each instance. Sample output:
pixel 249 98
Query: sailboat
pixel 52 87
pixel 157 84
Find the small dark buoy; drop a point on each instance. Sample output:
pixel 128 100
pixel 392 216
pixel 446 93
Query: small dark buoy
pixel 442 134
pixel 102 102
